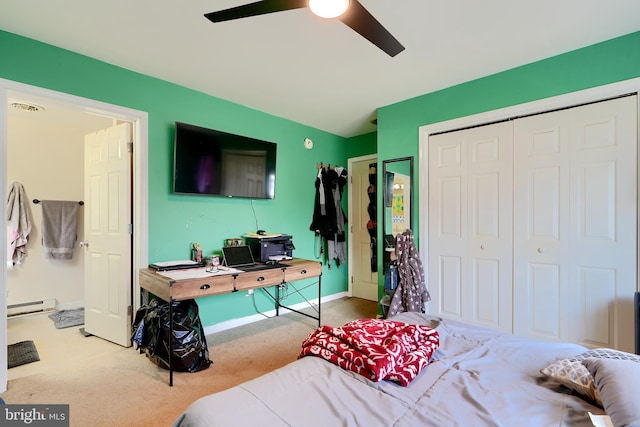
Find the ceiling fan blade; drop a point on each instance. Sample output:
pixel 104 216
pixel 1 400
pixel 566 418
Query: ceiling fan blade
pixel 253 9
pixel 361 21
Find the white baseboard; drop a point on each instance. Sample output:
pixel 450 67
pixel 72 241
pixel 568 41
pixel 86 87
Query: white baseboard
pixel 70 305
pixel 229 324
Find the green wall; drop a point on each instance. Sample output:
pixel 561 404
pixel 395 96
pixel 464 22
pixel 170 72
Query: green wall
pixel 596 65
pixel 361 145
pixel 607 62
pixel 600 64
pixel 177 220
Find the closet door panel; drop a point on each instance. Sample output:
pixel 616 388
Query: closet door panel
pixel 604 254
pixel 541 220
pixel 450 234
pixel 486 291
pixel 450 207
pixel 597 198
pixel 596 285
pixel 490 221
pixel 575 209
pixel 470 221
pixel 544 203
pixel 447 273
pixel 450 274
pixel 543 282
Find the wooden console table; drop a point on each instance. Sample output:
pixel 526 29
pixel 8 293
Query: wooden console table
pixel 171 290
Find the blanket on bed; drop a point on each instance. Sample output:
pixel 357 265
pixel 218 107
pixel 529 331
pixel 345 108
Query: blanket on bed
pixel 375 348
pixel 477 377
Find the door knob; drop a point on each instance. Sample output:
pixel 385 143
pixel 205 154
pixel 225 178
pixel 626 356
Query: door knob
pixel 84 244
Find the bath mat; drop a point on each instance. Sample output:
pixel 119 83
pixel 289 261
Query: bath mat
pixel 21 353
pixel 68 318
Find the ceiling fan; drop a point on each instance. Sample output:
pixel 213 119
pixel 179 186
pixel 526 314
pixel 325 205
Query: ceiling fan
pixel 352 13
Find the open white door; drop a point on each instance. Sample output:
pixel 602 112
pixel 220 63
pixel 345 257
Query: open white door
pixel 107 230
pixel 364 281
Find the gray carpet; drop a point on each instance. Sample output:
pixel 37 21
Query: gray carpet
pixel 68 318
pixel 21 353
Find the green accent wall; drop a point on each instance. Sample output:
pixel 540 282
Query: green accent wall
pixel 361 145
pixel 596 65
pixel 600 64
pixel 177 220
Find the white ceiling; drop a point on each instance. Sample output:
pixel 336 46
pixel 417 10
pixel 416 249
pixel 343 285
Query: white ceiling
pixel 62 113
pixel 313 71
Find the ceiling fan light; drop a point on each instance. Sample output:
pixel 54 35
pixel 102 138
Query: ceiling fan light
pixel 328 8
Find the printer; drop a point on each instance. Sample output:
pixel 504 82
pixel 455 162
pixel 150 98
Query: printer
pixel 266 248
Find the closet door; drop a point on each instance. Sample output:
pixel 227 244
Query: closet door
pixel 575 224
pixel 542 214
pixel 470 225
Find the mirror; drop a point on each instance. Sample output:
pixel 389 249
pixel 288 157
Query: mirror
pixel 397 200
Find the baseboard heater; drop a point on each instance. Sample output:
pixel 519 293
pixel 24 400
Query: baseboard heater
pixel 31 307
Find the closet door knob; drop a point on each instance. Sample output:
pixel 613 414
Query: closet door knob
pixel 84 244
pixel 482 246
pixel 540 250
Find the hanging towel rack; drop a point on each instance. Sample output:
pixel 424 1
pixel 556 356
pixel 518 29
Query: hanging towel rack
pixel 36 201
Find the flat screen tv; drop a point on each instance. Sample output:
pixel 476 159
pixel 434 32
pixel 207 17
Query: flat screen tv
pixel 211 162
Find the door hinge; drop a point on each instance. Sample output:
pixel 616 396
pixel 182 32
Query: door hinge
pixel 130 310
pixel 130 147
pixel 130 228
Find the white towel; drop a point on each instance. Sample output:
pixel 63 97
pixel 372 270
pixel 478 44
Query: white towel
pixel 18 224
pixel 59 228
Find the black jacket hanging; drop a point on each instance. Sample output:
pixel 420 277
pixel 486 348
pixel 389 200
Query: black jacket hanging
pixel 328 216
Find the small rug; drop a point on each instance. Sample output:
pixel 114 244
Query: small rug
pixel 68 318
pixel 21 353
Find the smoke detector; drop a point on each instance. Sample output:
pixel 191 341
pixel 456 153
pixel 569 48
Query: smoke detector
pixel 32 108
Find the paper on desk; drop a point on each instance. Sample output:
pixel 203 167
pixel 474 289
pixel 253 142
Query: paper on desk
pixel 600 420
pixel 174 263
pixel 280 258
pixel 261 236
pixel 198 273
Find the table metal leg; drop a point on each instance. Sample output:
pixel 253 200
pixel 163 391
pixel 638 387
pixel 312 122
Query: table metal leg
pixel 170 342
pixel 319 298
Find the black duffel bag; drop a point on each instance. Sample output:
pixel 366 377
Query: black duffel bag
pixel 189 346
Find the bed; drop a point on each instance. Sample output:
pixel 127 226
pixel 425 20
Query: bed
pixel 476 377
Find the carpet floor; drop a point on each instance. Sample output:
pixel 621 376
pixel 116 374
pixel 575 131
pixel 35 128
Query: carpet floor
pixel 122 387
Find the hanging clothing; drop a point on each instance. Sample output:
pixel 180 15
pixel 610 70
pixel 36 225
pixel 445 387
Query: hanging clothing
pixel 18 224
pixel 372 210
pixel 328 216
pixel 411 293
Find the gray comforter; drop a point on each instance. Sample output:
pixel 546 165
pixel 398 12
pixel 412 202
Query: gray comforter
pixel 477 377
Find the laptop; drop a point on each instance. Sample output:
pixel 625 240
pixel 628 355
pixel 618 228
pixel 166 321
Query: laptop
pixel 241 258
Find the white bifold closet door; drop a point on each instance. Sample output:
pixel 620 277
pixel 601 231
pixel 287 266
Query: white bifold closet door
pixel 470 225
pixel 575 222
pixel 532 224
